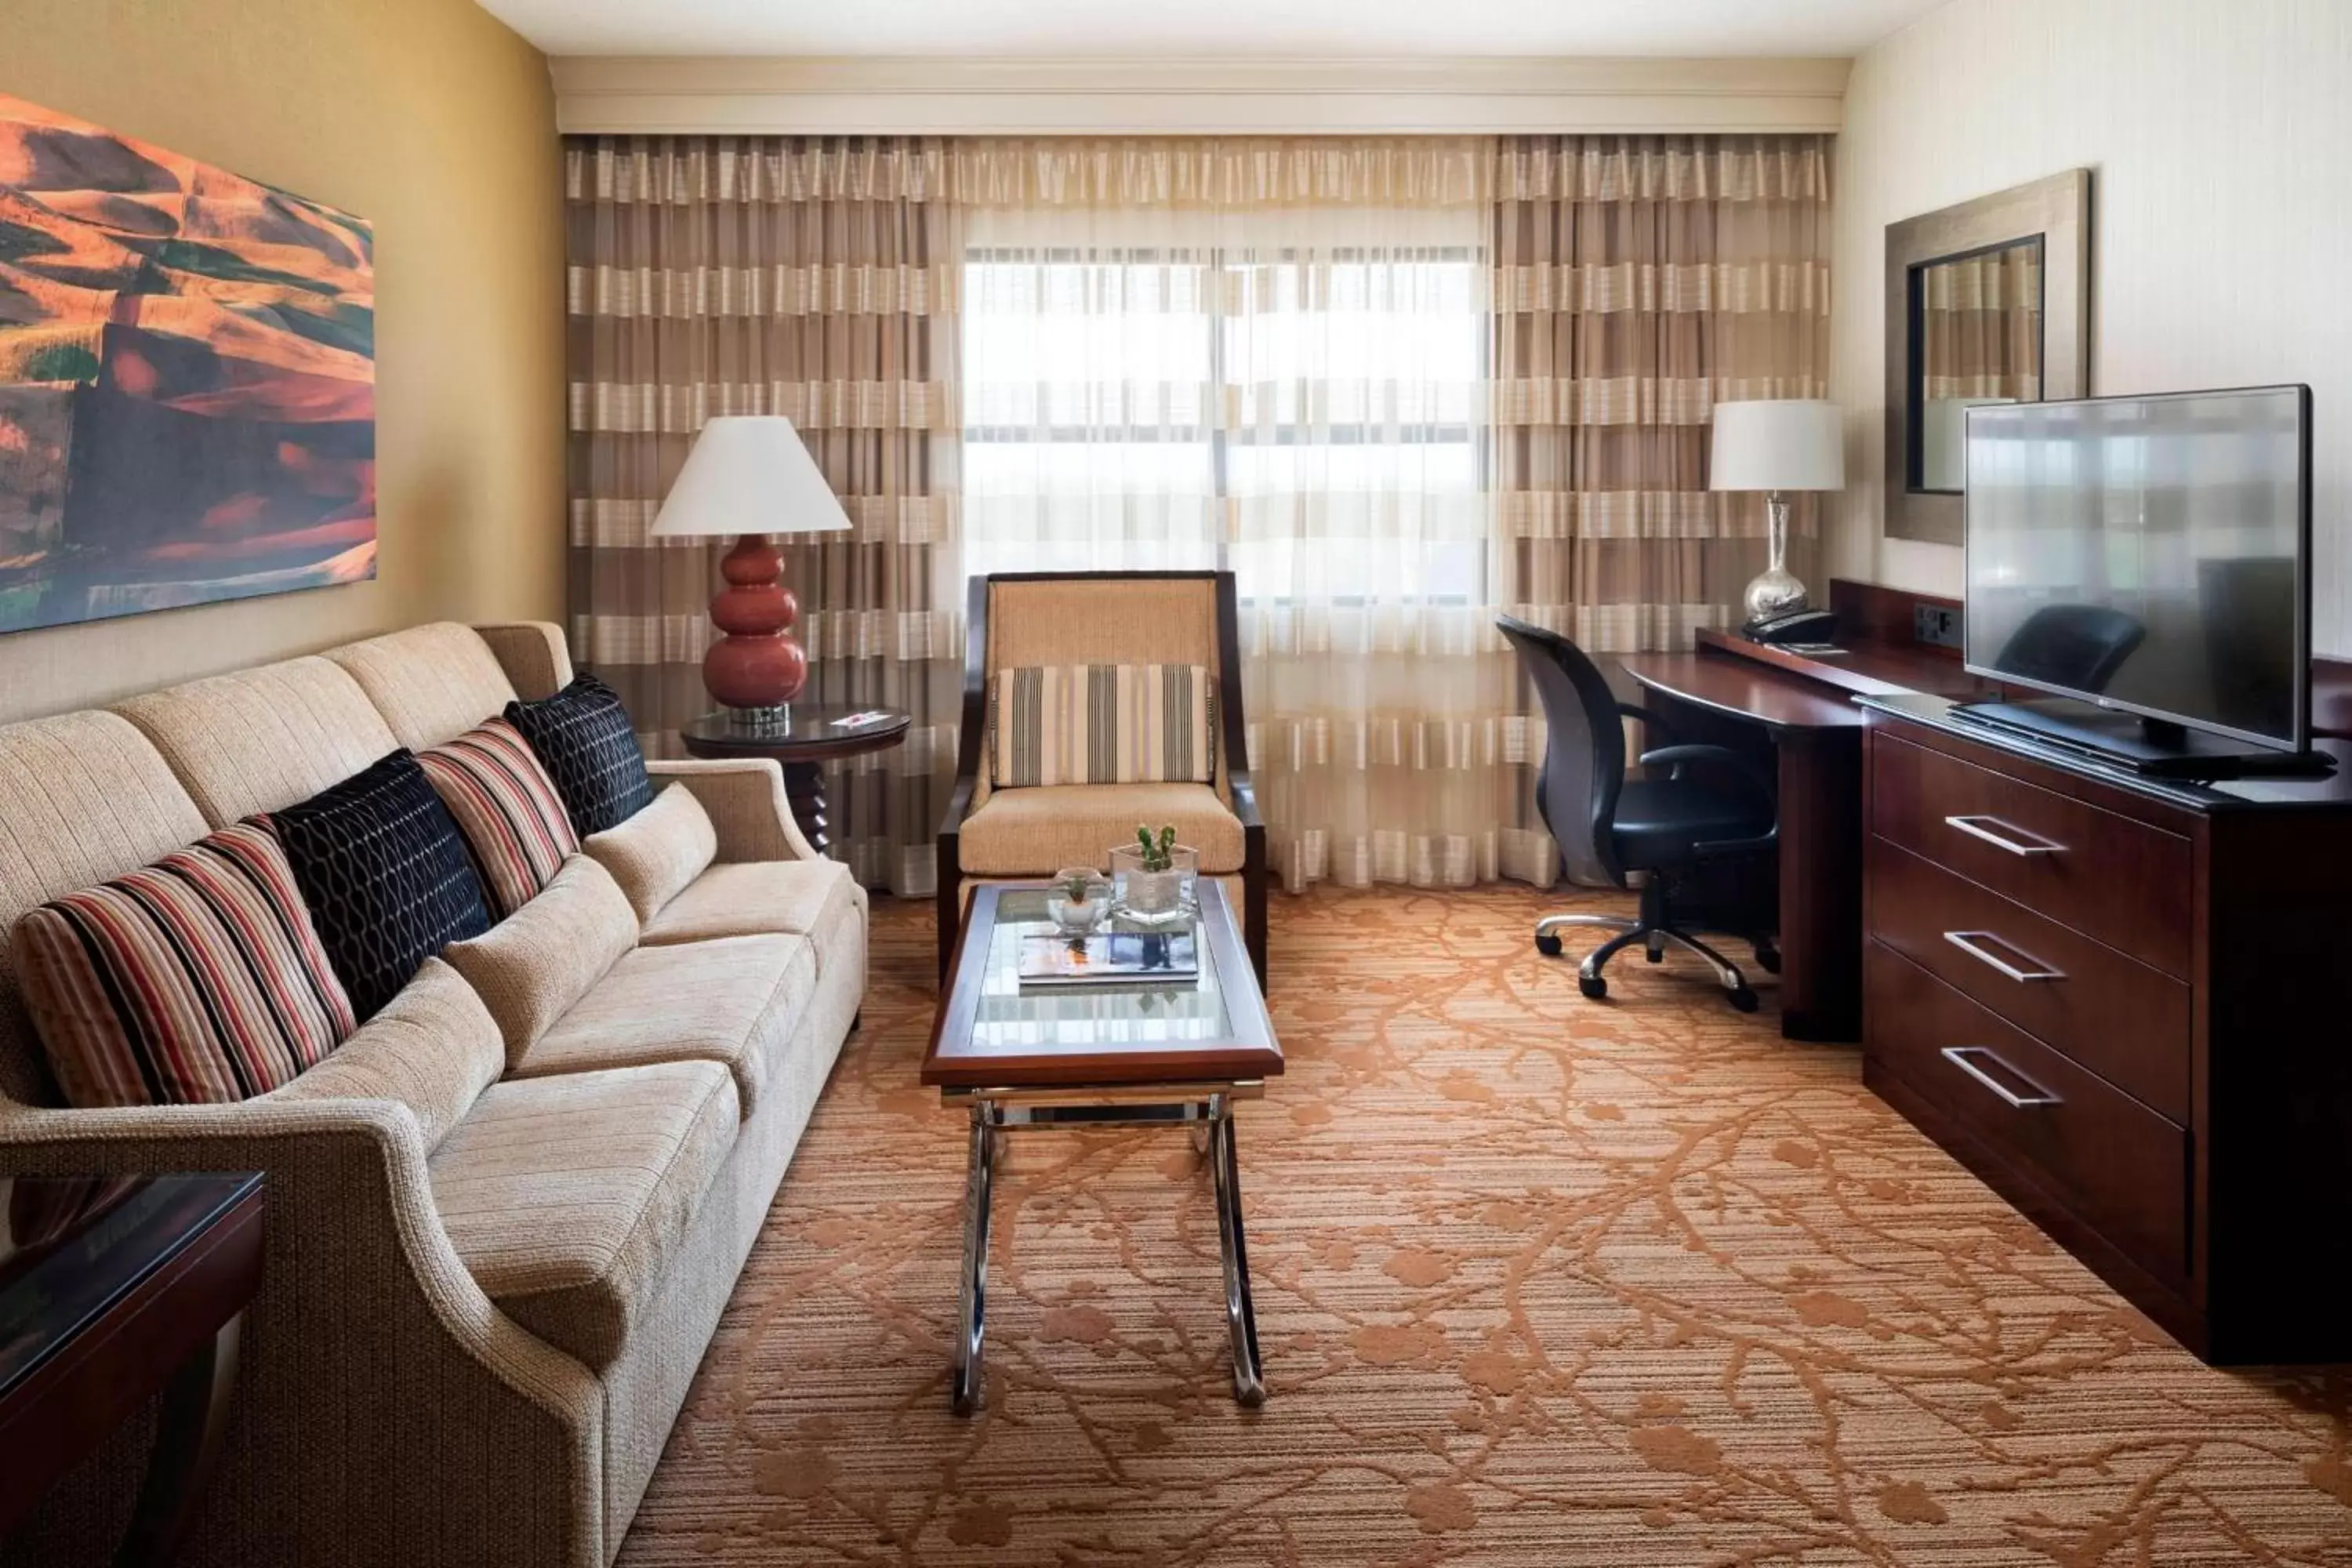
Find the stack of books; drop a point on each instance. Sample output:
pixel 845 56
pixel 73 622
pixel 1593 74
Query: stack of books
pixel 1149 958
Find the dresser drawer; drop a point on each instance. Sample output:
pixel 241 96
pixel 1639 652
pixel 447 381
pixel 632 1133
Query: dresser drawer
pixel 2129 885
pixel 2123 1020
pixel 2093 1149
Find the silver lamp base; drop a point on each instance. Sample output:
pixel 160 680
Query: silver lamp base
pixel 1774 591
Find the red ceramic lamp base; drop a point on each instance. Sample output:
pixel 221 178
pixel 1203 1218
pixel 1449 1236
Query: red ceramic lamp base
pixel 757 665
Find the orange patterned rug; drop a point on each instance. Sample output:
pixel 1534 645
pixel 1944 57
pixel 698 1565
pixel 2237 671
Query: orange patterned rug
pixel 1540 1282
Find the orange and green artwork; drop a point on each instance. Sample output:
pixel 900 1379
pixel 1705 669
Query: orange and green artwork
pixel 187 381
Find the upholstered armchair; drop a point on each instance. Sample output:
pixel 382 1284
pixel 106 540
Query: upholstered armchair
pixel 997 830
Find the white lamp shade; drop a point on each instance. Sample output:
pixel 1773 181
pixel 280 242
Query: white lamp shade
pixel 1777 443
pixel 748 473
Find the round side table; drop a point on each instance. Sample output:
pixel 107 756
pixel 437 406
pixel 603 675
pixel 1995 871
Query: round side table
pixel 806 738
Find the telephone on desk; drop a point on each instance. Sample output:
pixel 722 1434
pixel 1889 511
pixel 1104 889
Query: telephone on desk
pixel 1793 627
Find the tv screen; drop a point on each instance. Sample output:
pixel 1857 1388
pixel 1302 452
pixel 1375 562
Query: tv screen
pixel 2148 553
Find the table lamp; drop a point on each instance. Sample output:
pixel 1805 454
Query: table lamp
pixel 750 475
pixel 1776 445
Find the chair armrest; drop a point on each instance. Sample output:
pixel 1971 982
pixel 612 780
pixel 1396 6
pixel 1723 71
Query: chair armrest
pixel 745 799
pixel 370 1355
pixel 1242 794
pixel 959 807
pixel 533 654
pixel 1747 772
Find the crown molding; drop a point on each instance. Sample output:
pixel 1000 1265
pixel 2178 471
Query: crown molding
pixel 994 96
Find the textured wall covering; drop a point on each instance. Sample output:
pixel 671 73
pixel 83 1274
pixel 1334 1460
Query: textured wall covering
pixel 2219 141
pixel 1540 1282
pixel 437 124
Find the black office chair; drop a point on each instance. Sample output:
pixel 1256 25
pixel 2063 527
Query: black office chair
pixel 2077 646
pixel 1713 806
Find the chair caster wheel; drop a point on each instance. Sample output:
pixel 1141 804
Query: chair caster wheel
pixel 1767 958
pixel 1549 944
pixel 1592 985
pixel 1743 1000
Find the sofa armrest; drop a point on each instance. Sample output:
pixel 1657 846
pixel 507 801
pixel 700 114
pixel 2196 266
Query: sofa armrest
pixel 533 654
pixel 376 1375
pixel 744 798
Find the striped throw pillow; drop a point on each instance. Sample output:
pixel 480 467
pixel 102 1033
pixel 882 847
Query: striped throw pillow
pixel 197 980
pixel 506 807
pixel 1103 723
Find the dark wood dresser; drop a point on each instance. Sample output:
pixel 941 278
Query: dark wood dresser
pixel 2126 1005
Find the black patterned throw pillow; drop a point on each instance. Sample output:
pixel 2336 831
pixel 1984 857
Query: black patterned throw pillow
pixel 584 740
pixel 387 874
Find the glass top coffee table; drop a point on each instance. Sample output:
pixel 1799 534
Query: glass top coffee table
pixel 1104 1054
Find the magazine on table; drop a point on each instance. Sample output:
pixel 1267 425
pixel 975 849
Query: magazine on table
pixel 1111 957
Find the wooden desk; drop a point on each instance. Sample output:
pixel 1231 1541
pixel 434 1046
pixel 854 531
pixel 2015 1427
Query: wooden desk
pixel 1813 732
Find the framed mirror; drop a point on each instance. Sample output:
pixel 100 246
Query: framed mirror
pixel 1988 301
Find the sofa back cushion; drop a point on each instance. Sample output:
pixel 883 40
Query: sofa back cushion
pixel 1101 724
pixel 194 981
pixel 531 970
pixel 433 1048
pixel 387 878
pixel 432 683
pixel 83 797
pixel 261 739
pixel 657 854
pixel 506 807
pixel 586 738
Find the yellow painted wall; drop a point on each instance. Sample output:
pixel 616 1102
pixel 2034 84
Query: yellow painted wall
pixel 438 123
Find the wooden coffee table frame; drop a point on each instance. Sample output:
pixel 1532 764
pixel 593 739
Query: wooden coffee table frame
pixel 1192 1085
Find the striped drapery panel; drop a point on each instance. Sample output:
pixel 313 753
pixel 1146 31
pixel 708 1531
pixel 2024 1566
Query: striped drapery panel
pixel 815 278
pixel 1639 280
pixel 1981 326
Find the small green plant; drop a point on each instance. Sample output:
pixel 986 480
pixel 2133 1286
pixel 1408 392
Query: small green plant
pixel 1156 856
pixel 1078 887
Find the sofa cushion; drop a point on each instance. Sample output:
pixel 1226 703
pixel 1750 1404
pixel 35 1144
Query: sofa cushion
pixel 586 738
pixel 194 981
pixel 1101 723
pixel 569 1199
pixel 506 807
pixel 800 898
pixel 658 852
pixel 83 796
pixel 432 683
pixel 385 875
pixel 530 968
pixel 1036 831
pixel 261 739
pixel 734 1001
pixel 433 1048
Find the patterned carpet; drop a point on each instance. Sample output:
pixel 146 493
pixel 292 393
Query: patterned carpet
pixel 1540 1281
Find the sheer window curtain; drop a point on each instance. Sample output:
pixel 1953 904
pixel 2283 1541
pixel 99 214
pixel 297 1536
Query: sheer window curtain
pixel 815 278
pixel 1268 355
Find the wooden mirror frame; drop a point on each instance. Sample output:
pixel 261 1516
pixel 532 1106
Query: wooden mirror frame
pixel 2058 210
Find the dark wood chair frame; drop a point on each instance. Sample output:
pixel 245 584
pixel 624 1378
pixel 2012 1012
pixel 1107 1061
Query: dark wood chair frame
pixel 1242 794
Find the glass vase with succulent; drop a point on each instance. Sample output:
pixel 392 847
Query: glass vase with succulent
pixel 1078 900
pixel 1152 878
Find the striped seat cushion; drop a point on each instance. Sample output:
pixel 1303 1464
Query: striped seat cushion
pixel 1102 723
pixel 197 980
pixel 506 807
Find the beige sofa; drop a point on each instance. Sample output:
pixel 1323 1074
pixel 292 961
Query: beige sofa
pixel 487 1288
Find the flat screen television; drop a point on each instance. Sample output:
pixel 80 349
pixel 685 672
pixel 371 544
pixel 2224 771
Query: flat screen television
pixel 2149 555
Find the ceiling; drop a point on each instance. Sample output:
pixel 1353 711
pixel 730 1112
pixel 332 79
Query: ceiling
pixel 1209 28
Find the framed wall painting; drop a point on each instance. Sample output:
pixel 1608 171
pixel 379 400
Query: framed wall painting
pixel 187 381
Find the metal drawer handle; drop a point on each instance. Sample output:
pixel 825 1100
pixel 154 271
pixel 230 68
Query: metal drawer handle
pixel 1959 1056
pixel 1967 941
pixel 1974 827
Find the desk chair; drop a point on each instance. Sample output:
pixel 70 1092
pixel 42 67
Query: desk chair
pixel 1712 806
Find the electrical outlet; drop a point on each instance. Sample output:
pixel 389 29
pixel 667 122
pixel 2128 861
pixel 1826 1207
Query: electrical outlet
pixel 1934 624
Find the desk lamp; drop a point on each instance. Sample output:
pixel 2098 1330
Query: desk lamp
pixel 1776 445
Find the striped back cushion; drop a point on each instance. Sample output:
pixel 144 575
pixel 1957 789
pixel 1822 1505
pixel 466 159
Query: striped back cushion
pixel 1102 723
pixel 506 807
pixel 197 980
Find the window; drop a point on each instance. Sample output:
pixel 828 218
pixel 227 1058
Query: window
pixel 1308 418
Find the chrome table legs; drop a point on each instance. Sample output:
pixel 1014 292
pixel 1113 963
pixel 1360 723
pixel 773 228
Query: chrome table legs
pixel 996 1114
